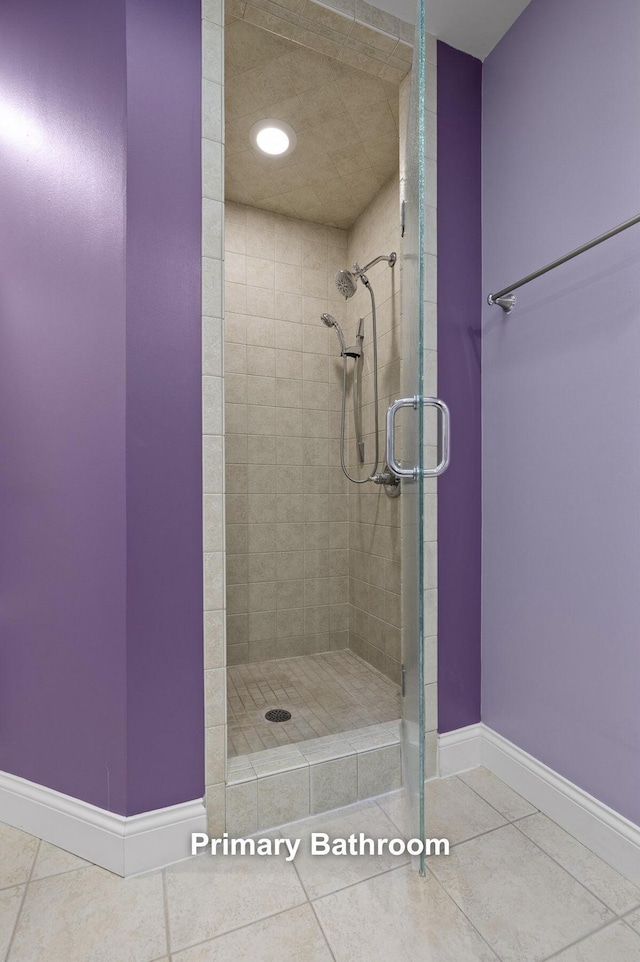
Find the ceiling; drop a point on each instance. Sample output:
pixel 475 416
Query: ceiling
pixel 474 26
pixel 346 121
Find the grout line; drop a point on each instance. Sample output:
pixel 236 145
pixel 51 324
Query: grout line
pixel 460 909
pixel 570 873
pixel 239 928
pixel 454 844
pixel 472 838
pixel 490 804
pixel 321 927
pixel 313 909
pixel 22 901
pixel 350 885
pixel 579 941
pixel 390 817
pixel 514 822
pixel 68 871
pixel 300 879
pixel 626 921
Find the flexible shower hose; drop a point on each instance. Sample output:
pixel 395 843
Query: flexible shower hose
pixel 374 330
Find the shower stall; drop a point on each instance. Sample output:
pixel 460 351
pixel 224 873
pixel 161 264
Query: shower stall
pixel 330 650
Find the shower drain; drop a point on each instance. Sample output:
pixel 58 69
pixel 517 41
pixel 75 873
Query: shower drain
pixel 278 715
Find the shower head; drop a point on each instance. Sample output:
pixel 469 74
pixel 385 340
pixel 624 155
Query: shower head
pixel 329 321
pixel 346 283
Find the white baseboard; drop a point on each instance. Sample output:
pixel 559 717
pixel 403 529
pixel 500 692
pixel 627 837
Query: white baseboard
pixel 460 750
pixel 124 845
pixel 607 833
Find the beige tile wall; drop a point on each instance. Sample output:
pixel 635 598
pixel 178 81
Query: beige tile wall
pixel 374 528
pixel 286 499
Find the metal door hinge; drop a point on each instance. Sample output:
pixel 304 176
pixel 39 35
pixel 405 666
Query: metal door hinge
pixel 403 208
pixel 403 674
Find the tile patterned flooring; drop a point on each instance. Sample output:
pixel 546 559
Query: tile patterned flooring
pixel 515 888
pixel 326 694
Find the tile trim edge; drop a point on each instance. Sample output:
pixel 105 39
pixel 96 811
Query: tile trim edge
pixel 124 845
pixel 604 831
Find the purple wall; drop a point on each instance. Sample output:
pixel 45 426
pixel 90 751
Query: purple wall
pixel 99 417
pixel 459 319
pixel 561 395
pixel 62 397
pixel 165 730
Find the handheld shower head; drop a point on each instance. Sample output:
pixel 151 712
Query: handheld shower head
pixel 329 321
pixel 346 283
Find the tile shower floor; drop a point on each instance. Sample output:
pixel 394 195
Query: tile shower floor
pixel 326 694
pixel 515 888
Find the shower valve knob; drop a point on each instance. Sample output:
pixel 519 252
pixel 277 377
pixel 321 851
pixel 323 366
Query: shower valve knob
pixel 384 477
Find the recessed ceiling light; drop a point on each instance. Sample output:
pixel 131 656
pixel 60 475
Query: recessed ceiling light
pixel 273 137
pixel 272 140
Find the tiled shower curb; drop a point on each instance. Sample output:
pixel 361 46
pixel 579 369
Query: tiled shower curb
pixel 280 785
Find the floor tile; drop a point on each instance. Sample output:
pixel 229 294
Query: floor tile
pixel 399 916
pixel 322 874
pixel 396 805
pixel 331 692
pixel 91 916
pixel 454 811
pixel 52 860
pixel 613 889
pixel 616 943
pixel 292 936
pixel 10 901
pixel 494 791
pixel 18 853
pixel 634 920
pixel 210 895
pixel 518 898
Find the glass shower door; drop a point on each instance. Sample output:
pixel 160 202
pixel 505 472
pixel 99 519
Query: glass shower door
pixel 415 428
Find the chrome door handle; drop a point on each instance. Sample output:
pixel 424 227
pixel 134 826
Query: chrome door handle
pixel 445 432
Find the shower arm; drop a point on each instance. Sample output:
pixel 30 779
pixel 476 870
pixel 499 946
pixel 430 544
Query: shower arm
pixel 390 260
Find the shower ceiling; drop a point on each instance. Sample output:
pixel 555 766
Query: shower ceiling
pixel 346 123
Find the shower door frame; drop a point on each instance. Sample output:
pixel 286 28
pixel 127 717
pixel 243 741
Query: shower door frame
pixel 418 442
pixel 213 417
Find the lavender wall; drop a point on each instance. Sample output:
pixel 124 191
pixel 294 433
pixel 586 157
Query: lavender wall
pixel 62 397
pixel 165 711
pixel 99 418
pixel 561 393
pixel 459 318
